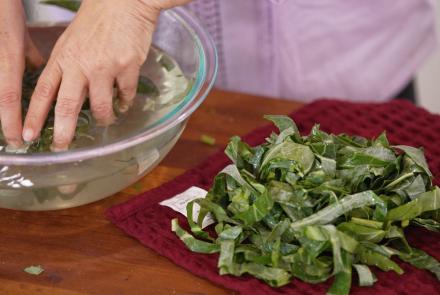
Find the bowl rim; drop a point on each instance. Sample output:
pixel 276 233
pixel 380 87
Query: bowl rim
pixel 205 78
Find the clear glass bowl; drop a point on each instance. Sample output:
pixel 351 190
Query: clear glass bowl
pixel 48 181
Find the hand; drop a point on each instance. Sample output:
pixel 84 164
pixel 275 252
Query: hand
pixel 104 46
pixel 16 48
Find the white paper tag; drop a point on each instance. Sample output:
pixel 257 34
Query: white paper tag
pixel 178 203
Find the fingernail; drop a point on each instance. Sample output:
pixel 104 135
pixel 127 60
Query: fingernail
pixel 28 134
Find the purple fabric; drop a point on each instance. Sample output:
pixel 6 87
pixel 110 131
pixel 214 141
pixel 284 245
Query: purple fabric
pixel 303 49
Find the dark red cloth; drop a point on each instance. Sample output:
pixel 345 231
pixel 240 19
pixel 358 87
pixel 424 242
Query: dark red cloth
pixel 144 219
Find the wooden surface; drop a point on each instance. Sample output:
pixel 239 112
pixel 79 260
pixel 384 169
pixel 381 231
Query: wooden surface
pixel 82 253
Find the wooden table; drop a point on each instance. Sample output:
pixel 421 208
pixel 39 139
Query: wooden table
pixel 82 252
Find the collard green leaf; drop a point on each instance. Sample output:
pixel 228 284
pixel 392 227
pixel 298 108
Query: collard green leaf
pixel 417 156
pixel 370 257
pixel 147 87
pixel 365 275
pixel 275 277
pixel 192 243
pixel 335 210
pixel 195 228
pixel 427 201
pixel 72 5
pixel 382 140
pixel 372 157
pixel 328 232
pixel 292 151
pixel 207 139
pixel 238 151
pixel 416 187
pixel 422 260
pixel 342 282
pixel 328 166
pixel 256 211
pixel 367 222
pixel 429 224
pixel 361 232
pixel 226 258
pixel 311 270
pixel 34 270
pixel 284 123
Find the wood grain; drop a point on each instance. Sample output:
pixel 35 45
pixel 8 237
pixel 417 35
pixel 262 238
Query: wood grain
pixel 82 253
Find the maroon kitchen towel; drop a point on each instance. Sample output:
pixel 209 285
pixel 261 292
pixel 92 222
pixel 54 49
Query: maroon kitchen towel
pixel 144 219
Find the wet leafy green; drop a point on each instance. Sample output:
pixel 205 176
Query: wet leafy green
pixel 72 5
pixel 316 206
pixel 42 144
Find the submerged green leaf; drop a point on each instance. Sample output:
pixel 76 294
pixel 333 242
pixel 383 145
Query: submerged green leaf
pixel 84 122
pixel 72 5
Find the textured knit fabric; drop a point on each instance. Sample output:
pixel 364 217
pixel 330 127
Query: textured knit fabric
pixel 305 49
pixel 144 219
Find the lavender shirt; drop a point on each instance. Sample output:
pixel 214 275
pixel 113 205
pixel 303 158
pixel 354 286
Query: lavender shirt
pixel 305 49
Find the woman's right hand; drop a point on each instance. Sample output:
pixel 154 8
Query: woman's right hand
pixel 16 49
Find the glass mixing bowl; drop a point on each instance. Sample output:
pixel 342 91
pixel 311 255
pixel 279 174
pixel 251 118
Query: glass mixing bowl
pixel 48 181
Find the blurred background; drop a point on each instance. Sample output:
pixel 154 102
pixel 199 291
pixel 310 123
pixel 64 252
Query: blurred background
pixel 427 80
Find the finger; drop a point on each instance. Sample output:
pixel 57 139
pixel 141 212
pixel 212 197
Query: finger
pixel 34 59
pixel 70 99
pixel 11 72
pixel 41 101
pixel 101 100
pixel 127 85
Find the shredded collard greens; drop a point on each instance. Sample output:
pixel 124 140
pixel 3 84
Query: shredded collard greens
pixel 317 206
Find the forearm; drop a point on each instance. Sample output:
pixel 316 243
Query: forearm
pixel 11 15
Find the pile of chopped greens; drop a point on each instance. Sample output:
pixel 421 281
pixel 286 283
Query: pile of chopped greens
pixel 314 207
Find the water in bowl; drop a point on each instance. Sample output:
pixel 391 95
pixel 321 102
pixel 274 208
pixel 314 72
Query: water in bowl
pixel 20 188
pixel 150 105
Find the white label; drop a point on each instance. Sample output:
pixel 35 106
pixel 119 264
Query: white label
pixel 178 203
